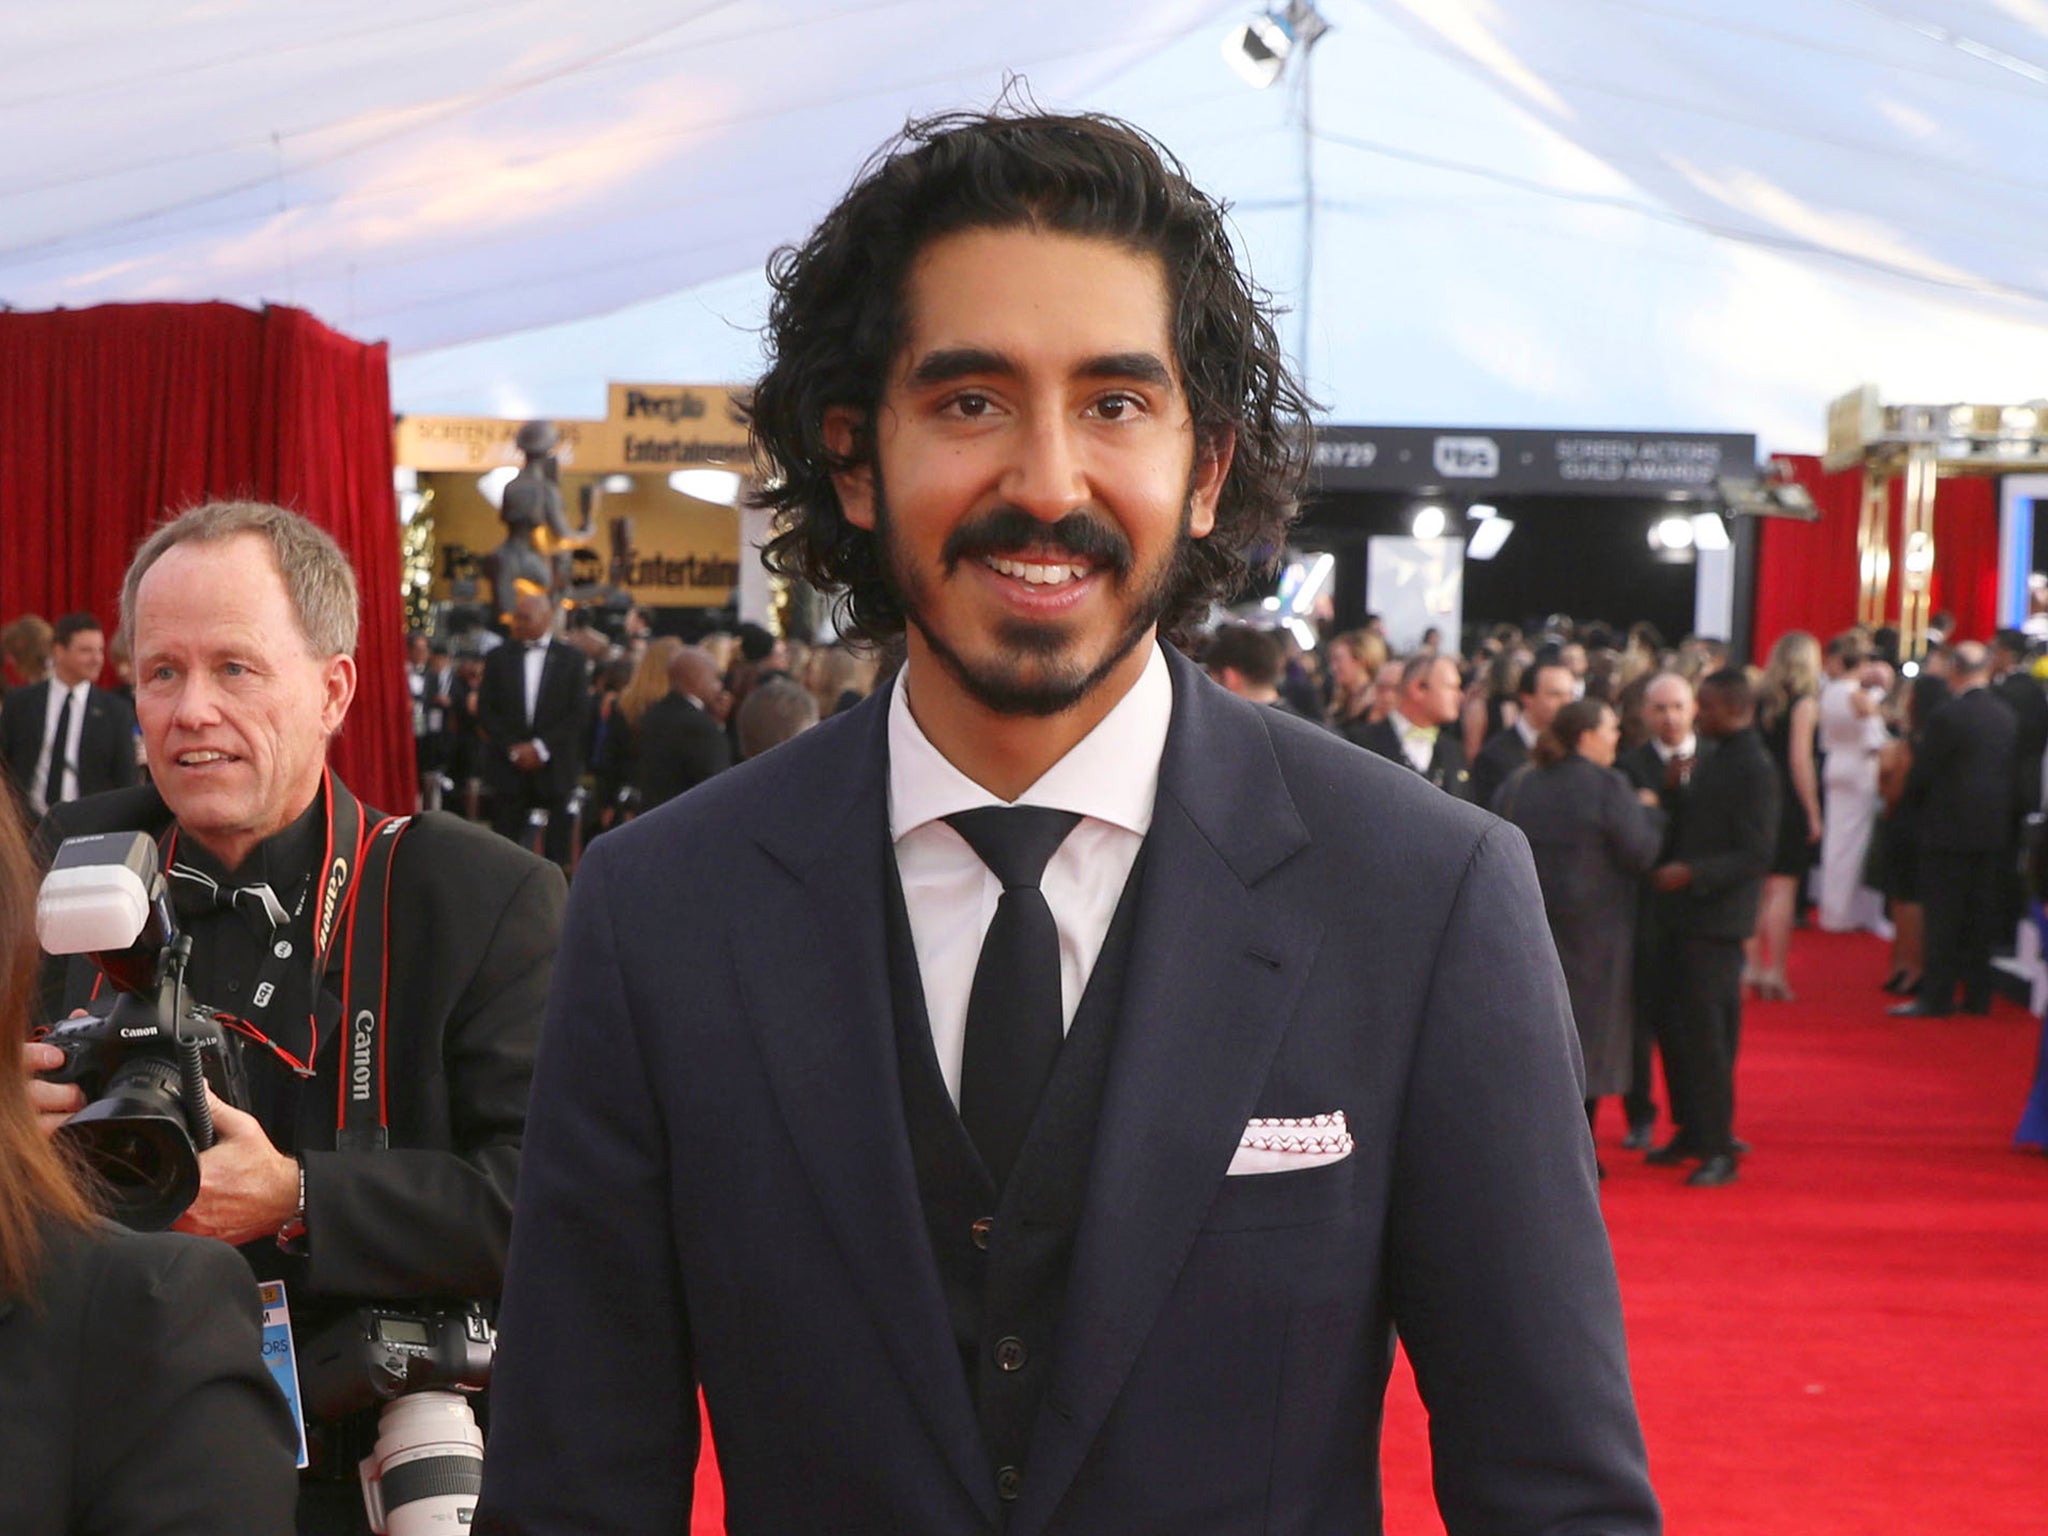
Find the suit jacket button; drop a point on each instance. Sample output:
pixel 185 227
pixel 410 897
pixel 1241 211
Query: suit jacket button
pixel 1009 1481
pixel 1011 1354
pixel 980 1232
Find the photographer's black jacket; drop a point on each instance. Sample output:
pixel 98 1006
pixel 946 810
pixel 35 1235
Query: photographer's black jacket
pixel 474 922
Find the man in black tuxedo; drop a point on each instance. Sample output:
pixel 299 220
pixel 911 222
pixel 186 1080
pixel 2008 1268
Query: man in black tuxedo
pixel 1421 731
pixel 682 734
pixel 1662 764
pixel 66 737
pixel 973 1094
pixel 243 619
pixel 533 706
pixel 1712 883
pixel 430 677
pixel 1961 790
pixel 1545 686
pixel 2014 681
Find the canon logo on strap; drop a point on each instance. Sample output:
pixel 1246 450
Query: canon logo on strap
pixel 359 1055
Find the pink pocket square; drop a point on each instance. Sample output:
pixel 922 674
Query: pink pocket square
pixel 1282 1145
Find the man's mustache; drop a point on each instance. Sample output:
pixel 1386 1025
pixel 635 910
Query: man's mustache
pixel 1007 531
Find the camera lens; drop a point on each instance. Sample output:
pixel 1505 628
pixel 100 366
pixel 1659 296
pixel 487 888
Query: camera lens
pixel 133 1136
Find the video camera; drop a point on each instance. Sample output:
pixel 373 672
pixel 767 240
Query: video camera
pixel 146 1066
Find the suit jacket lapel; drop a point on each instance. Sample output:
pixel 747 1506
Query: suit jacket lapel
pixel 1216 968
pixel 826 1030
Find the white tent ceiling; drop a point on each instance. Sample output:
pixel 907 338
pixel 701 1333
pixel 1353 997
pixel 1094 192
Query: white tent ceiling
pixel 1708 214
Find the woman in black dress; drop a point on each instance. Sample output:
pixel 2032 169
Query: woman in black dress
pixel 1788 715
pixel 1594 838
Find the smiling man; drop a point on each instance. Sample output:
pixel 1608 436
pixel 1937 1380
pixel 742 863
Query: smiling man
pixel 243 622
pixel 968 1095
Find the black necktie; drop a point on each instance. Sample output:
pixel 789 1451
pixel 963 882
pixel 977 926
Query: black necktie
pixel 60 744
pixel 1015 1020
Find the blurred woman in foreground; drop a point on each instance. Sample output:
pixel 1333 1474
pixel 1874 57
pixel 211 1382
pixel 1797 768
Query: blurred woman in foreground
pixel 133 1396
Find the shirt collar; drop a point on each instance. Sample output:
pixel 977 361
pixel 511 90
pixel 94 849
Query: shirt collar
pixel 279 861
pixel 1111 774
pixel 1689 747
pixel 1527 732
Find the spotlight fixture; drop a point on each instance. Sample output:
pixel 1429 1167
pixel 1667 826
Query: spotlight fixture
pixel 1748 496
pixel 718 485
pixel 1259 49
pixel 1429 523
pixel 1488 538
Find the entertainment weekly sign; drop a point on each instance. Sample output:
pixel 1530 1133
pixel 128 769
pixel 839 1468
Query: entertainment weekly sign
pixel 1518 462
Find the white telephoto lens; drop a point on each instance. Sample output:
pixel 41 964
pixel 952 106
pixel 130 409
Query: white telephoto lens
pixel 424 1475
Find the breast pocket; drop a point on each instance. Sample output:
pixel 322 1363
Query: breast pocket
pixel 1263 1202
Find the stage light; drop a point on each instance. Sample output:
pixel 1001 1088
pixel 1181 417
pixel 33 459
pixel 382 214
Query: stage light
pixel 1259 49
pixel 1672 533
pixel 1479 511
pixel 1708 531
pixel 1910 670
pixel 719 485
pixel 1271 605
pixel 618 485
pixel 1429 523
pixel 1488 538
pixel 492 482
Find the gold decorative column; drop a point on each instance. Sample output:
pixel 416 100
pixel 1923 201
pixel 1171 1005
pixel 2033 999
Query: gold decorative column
pixel 1917 552
pixel 1874 548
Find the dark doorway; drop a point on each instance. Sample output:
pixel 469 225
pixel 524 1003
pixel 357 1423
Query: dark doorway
pixel 1583 556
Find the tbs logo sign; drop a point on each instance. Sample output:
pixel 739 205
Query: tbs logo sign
pixel 1467 458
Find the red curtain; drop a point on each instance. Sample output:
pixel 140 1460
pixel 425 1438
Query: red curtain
pixel 117 415
pixel 1806 576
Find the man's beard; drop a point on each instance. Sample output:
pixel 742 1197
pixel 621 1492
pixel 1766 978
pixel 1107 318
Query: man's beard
pixel 1029 674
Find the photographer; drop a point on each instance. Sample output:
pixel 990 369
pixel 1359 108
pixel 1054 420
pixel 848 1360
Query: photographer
pixel 370 1163
pixel 132 1394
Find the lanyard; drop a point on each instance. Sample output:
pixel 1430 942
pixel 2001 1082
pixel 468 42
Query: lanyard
pixel 333 877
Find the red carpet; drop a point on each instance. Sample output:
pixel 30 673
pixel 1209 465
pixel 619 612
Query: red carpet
pixel 1852 1340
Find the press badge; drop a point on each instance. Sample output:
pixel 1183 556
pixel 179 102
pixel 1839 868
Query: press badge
pixel 279 1355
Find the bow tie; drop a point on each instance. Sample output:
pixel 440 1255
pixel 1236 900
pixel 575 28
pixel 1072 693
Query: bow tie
pixel 195 893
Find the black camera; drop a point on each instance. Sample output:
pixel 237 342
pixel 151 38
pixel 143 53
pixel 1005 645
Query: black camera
pixel 380 1352
pixel 145 1067
pixel 427 1467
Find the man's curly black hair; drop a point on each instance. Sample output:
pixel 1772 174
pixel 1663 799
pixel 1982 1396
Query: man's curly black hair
pixel 837 324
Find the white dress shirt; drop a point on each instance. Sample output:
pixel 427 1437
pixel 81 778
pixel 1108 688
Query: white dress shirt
pixel 1110 778
pixel 42 793
pixel 1417 741
pixel 535 661
pixel 1690 747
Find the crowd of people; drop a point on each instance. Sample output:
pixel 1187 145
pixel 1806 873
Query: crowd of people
pixel 558 730
pixel 1831 783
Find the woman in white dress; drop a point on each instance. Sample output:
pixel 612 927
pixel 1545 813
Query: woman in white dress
pixel 1851 733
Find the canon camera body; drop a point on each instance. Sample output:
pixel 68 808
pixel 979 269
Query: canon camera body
pixel 146 1065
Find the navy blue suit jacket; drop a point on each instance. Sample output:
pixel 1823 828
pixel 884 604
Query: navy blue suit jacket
pixel 718 1188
